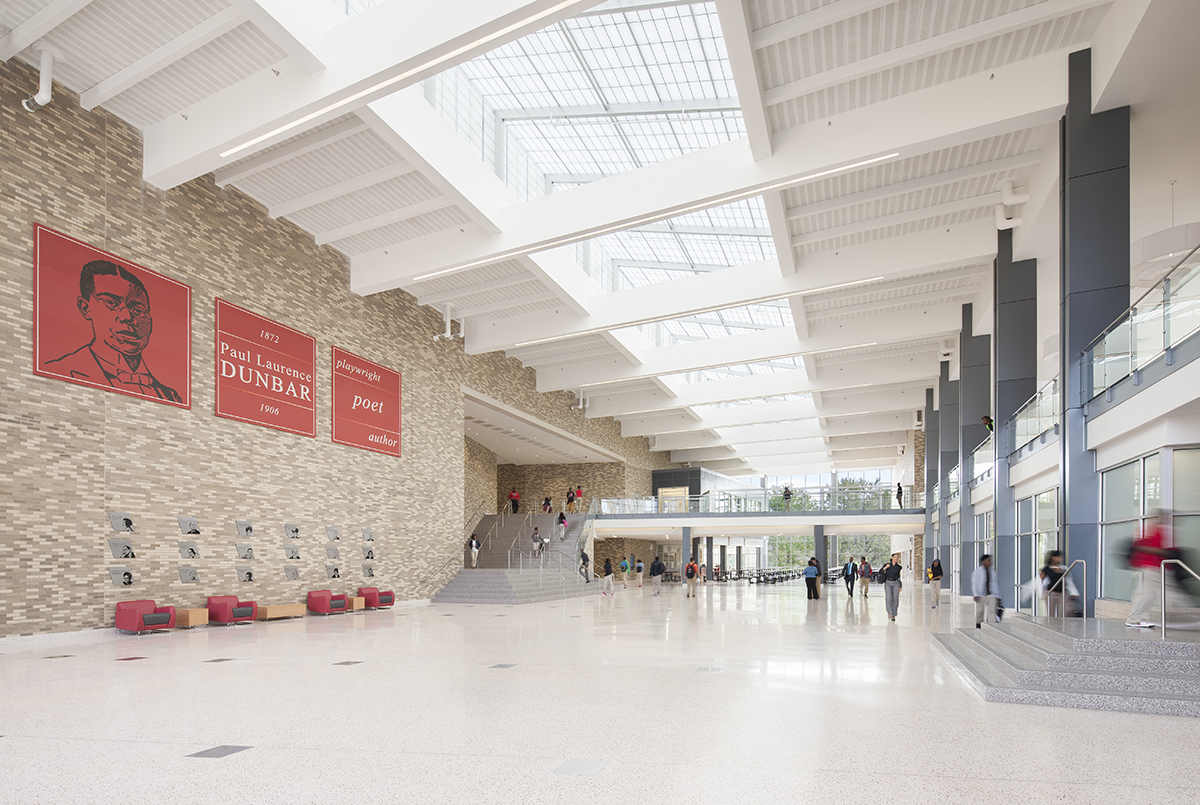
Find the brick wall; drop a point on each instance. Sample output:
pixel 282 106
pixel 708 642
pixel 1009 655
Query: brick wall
pixel 919 463
pixel 73 453
pixel 535 482
pixel 618 548
pixel 479 479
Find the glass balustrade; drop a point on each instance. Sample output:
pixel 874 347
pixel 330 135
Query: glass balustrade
pixel 801 499
pixel 1165 315
pixel 1037 416
pixel 982 459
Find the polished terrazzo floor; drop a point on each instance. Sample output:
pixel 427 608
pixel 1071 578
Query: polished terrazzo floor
pixel 746 694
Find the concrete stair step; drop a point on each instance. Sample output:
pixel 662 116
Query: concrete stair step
pixel 1092 637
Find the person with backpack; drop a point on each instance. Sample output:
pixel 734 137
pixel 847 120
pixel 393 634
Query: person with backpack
pixel 864 575
pixel 546 506
pixel 606 580
pixel 624 574
pixel 691 572
pixel 640 570
pixel 656 573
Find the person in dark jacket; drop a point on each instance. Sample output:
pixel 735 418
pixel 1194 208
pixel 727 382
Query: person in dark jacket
pixel 583 567
pixel 606 582
pixel 656 575
pixel 892 586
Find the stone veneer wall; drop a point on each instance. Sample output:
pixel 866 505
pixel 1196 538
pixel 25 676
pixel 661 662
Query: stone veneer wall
pixel 479 479
pixel 919 461
pixel 617 548
pixel 535 482
pixel 73 453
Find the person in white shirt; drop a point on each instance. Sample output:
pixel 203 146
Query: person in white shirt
pixel 986 587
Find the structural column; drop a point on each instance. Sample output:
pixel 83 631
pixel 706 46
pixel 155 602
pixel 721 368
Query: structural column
pixel 932 455
pixel 687 550
pixel 947 453
pixel 1015 355
pixel 821 547
pixel 974 403
pixel 1095 291
pixel 708 558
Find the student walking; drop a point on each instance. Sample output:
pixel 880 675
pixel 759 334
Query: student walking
pixel 606 579
pixel 690 573
pixel 935 582
pixel 562 526
pixel 583 567
pixel 899 496
pixel 624 574
pixel 571 501
pixel 864 575
pixel 985 585
pixel 1145 565
pixel 656 573
pixel 546 506
pixel 892 586
pixel 1050 574
pixel 640 570
pixel 787 498
pixel 474 546
pixel 812 575
pixel 514 500
pixel 849 574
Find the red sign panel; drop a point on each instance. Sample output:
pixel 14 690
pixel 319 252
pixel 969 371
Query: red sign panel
pixel 366 404
pixel 265 371
pixel 104 322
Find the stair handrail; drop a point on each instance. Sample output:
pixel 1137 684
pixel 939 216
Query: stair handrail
pixel 1082 593
pixel 472 520
pixel 1162 583
pixel 458 554
pixel 520 529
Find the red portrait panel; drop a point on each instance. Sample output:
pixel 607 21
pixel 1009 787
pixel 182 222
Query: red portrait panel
pixel 104 322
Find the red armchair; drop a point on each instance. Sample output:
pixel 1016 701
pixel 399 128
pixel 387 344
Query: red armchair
pixel 323 602
pixel 228 609
pixel 143 616
pixel 373 599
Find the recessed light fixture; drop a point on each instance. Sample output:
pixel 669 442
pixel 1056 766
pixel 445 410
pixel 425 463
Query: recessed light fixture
pixel 396 79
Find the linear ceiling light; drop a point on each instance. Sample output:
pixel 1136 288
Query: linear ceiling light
pixel 398 78
pixel 701 311
pixel 658 216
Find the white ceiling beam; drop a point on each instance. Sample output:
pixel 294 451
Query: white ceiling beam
pixel 780 342
pixel 797 429
pixel 735 29
pixel 943 43
pixel 813 20
pixel 278 156
pixel 384 219
pixel 719 231
pixel 42 22
pixel 988 201
pixel 189 41
pixel 297 27
pixel 416 131
pixel 604 351
pixel 470 290
pixel 904 399
pixel 368 57
pixel 492 307
pixel 971 243
pixel 799 316
pixel 342 188
pixel 1025 94
pixel 803 450
pixel 795 381
pixel 621 109
pixel 777 211
pixel 914 185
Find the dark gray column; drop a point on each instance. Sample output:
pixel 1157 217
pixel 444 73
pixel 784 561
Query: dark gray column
pixel 687 549
pixel 931 474
pixel 1095 289
pixel 1015 355
pixel 947 452
pixel 974 402
pixel 708 557
pixel 821 547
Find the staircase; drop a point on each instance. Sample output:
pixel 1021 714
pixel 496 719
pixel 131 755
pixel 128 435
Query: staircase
pixel 1095 664
pixel 507 572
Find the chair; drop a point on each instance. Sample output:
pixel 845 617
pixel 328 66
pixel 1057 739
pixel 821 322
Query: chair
pixel 373 599
pixel 323 602
pixel 228 609
pixel 143 616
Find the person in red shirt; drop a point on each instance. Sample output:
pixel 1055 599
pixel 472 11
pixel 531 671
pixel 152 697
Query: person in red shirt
pixel 691 574
pixel 514 499
pixel 1144 562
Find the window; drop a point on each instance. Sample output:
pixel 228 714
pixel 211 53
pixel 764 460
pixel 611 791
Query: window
pixel 1131 495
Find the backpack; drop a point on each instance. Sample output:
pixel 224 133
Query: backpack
pixel 624 565
pixel 691 571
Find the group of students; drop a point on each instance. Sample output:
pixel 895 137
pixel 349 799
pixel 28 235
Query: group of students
pixel 574 496
pixel 627 568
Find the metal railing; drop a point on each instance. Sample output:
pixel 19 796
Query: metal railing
pixel 983 458
pixel 1063 581
pixel 952 485
pixel 803 499
pixel 1037 416
pixel 1164 316
pixel 1162 582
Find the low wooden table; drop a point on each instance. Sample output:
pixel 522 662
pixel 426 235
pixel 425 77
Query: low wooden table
pixel 280 611
pixel 191 618
pixel 357 602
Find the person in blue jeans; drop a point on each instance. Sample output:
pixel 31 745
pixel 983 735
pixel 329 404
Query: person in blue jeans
pixel 812 574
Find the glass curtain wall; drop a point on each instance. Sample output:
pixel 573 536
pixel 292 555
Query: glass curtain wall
pixel 1131 496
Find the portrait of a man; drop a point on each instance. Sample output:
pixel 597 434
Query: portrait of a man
pixel 103 322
